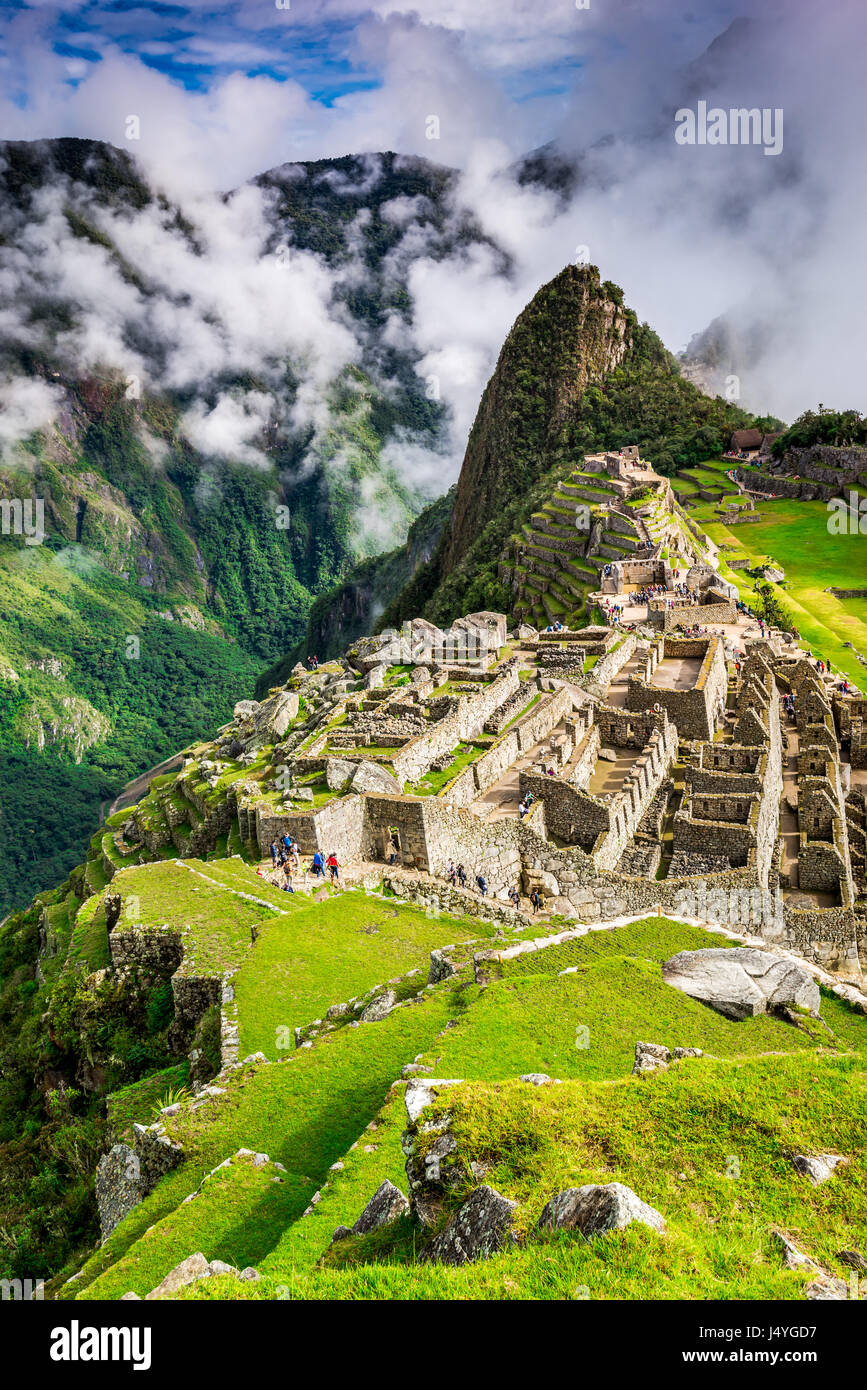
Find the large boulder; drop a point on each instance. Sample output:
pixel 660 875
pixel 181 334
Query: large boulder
pixel 274 717
pixel 371 777
pixel 339 772
pixel 481 1227
pixel 742 981
pixel 598 1209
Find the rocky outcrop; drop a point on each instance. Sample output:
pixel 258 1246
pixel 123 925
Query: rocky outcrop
pixel 379 1007
pixel 196 1267
pixel 741 981
pixel 818 1168
pixel 386 1205
pixel 125 1175
pixel 597 1210
pixel 481 1227
pixel 572 332
pixel 434 1168
pixel 655 1057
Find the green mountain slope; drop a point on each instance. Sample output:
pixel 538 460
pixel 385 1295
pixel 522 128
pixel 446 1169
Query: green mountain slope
pixel 209 562
pixel 577 374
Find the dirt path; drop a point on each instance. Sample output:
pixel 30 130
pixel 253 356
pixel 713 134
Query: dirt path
pixel 137 788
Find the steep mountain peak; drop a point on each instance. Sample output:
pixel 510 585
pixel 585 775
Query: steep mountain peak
pixel 573 332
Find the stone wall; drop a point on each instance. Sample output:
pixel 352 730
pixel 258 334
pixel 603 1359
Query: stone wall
pixel 415 758
pixel 702 613
pixel 605 827
pixel 695 711
pixel 600 676
pixel 156 948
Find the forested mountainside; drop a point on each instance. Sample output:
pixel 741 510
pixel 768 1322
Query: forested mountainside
pixel 196 507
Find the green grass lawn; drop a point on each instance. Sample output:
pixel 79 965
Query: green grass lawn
pixel 217 919
pixel 232 1218
pixel 305 1112
pixel 708 1143
pixel 136 1104
pixel 331 952
pixel 795 534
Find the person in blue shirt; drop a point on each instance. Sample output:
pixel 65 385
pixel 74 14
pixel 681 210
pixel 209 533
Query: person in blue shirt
pixel 318 867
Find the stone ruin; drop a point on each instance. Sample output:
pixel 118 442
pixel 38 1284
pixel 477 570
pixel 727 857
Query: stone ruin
pixel 613 773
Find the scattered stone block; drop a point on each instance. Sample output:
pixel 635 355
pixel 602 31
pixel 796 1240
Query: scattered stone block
pixel 481 1227
pixel 598 1209
pixel 818 1168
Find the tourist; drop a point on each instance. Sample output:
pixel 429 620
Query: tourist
pixel 288 841
pixel 394 850
pixel 550 772
pixel 535 901
pixel 450 872
pixel 515 898
pixel 295 859
pixel 333 867
pixel 317 868
pixel 482 883
pixel 275 850
pixel 288 877
pixel 522 810
pixel 461 874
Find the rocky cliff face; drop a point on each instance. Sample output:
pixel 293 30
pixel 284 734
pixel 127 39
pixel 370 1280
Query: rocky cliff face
pixel 573 332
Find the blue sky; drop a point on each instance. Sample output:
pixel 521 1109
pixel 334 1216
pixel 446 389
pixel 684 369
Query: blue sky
pixel 510 66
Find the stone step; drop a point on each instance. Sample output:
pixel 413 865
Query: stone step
pixel 619 541
pixel 549 541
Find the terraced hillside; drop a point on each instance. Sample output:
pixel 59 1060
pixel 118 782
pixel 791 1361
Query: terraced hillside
pixel 557 559
pixel 285 1147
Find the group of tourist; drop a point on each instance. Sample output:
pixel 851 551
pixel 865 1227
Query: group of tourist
pixel 556 626
pixel 525 805
pixel 648 592
pixel 286 861
pixel 456 876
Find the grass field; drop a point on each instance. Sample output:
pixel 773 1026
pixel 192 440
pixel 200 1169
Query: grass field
pixel 708 1143
pixel 331 952
pixel 795 534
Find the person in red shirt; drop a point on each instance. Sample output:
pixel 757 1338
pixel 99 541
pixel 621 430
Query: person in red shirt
pixel 333 867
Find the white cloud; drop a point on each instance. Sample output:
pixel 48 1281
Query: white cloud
pixel 26 405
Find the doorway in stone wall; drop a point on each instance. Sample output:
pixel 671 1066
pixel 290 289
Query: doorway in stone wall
pixel 391 846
